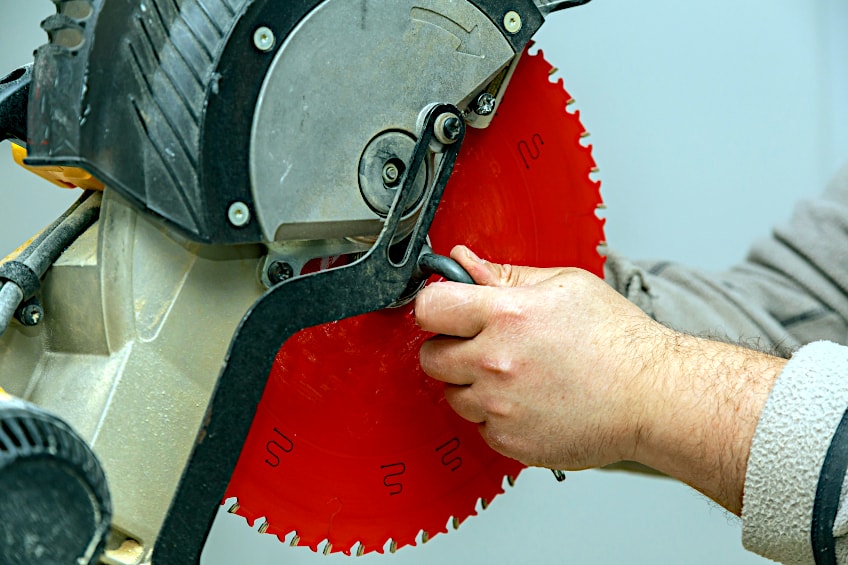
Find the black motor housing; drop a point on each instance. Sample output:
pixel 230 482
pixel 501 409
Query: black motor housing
pixel 54 500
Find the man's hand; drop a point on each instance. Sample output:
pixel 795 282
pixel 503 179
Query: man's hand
pixel 561 371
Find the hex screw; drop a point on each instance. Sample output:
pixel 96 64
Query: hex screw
pixel 238 214
pixel 279 271
pixel 485 104
pixel 263 39
pixel 512 22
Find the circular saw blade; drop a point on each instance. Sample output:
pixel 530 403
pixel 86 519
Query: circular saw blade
pixel 353 447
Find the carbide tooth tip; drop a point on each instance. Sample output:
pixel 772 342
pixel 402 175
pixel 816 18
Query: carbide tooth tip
pixel 510 480
pixel 601 207
pixel 425 537
pixel 328 548
pixel 360 550
pixel 570 101
pixel 552 71
pixel 295 541
pixel 594 170
pixel 233 508
pixel 484 503
pixel 393 546
pixel 264 527
pixel 584 135
pixel 455 523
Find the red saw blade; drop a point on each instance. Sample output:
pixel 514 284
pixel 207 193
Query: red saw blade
pixel 352 444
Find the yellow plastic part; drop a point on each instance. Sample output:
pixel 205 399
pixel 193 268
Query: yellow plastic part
pixel 66 177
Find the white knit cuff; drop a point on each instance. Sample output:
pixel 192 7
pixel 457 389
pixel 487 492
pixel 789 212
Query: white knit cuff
pixel 792 437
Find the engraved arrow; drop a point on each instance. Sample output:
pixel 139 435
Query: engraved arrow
pixel 469 39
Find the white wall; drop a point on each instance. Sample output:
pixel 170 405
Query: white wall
pixel 708 120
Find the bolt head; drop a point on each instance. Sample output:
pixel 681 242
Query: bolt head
pixel 448 128
pixel 32 315
pixel 238 214
pixel 391 174
pixel 485 104
pixel 512 22
pixel 263 38
pixel 279 271
pixel 451 128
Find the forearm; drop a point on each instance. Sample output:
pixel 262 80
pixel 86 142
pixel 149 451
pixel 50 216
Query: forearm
pixel 699 426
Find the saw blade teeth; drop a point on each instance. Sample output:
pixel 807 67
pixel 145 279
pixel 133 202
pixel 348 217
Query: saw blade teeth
pixel 570 101
pixel 264 527
pixel 234 507
pixel 328 548
pixel 510 480
pixel 484 503
pixel 425 536
pixel 454 522
pixel 360 549
pixel 295 541
pixel 392 546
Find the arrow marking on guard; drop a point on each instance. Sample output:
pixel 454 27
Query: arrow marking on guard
pixel 469 39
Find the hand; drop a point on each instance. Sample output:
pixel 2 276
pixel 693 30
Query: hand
pixel 561 371
pixel 549 362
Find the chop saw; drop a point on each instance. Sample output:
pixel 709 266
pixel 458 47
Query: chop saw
pixel 226 313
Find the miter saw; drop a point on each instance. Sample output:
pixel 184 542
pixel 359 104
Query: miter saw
pixel 231 318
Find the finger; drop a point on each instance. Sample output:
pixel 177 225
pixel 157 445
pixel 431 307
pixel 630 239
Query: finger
pixel 446 359
pixel 495 274
pixel 453 309
pixel 464 401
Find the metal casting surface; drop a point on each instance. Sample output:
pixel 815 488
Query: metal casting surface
pixel 345 77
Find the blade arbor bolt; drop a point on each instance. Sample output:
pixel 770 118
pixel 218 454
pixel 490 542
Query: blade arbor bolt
pixel 279 271
pixel 485 104
pixel 263 39
pixel 391 173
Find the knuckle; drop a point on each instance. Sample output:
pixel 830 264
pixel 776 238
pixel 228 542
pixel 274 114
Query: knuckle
pixel 498 365
pixel 498 406
pixel 508 310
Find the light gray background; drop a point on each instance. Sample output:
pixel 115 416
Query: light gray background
pixel 709 119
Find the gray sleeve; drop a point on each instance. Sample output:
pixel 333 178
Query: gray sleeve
pixel 791 289
pixel 788 449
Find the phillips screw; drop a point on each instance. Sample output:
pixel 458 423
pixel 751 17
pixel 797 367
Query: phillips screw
pixel 279 271
pixel 485 104
pixel 263 39
pixel 448 128
pixel 512 22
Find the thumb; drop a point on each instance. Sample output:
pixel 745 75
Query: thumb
pixel 487 273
